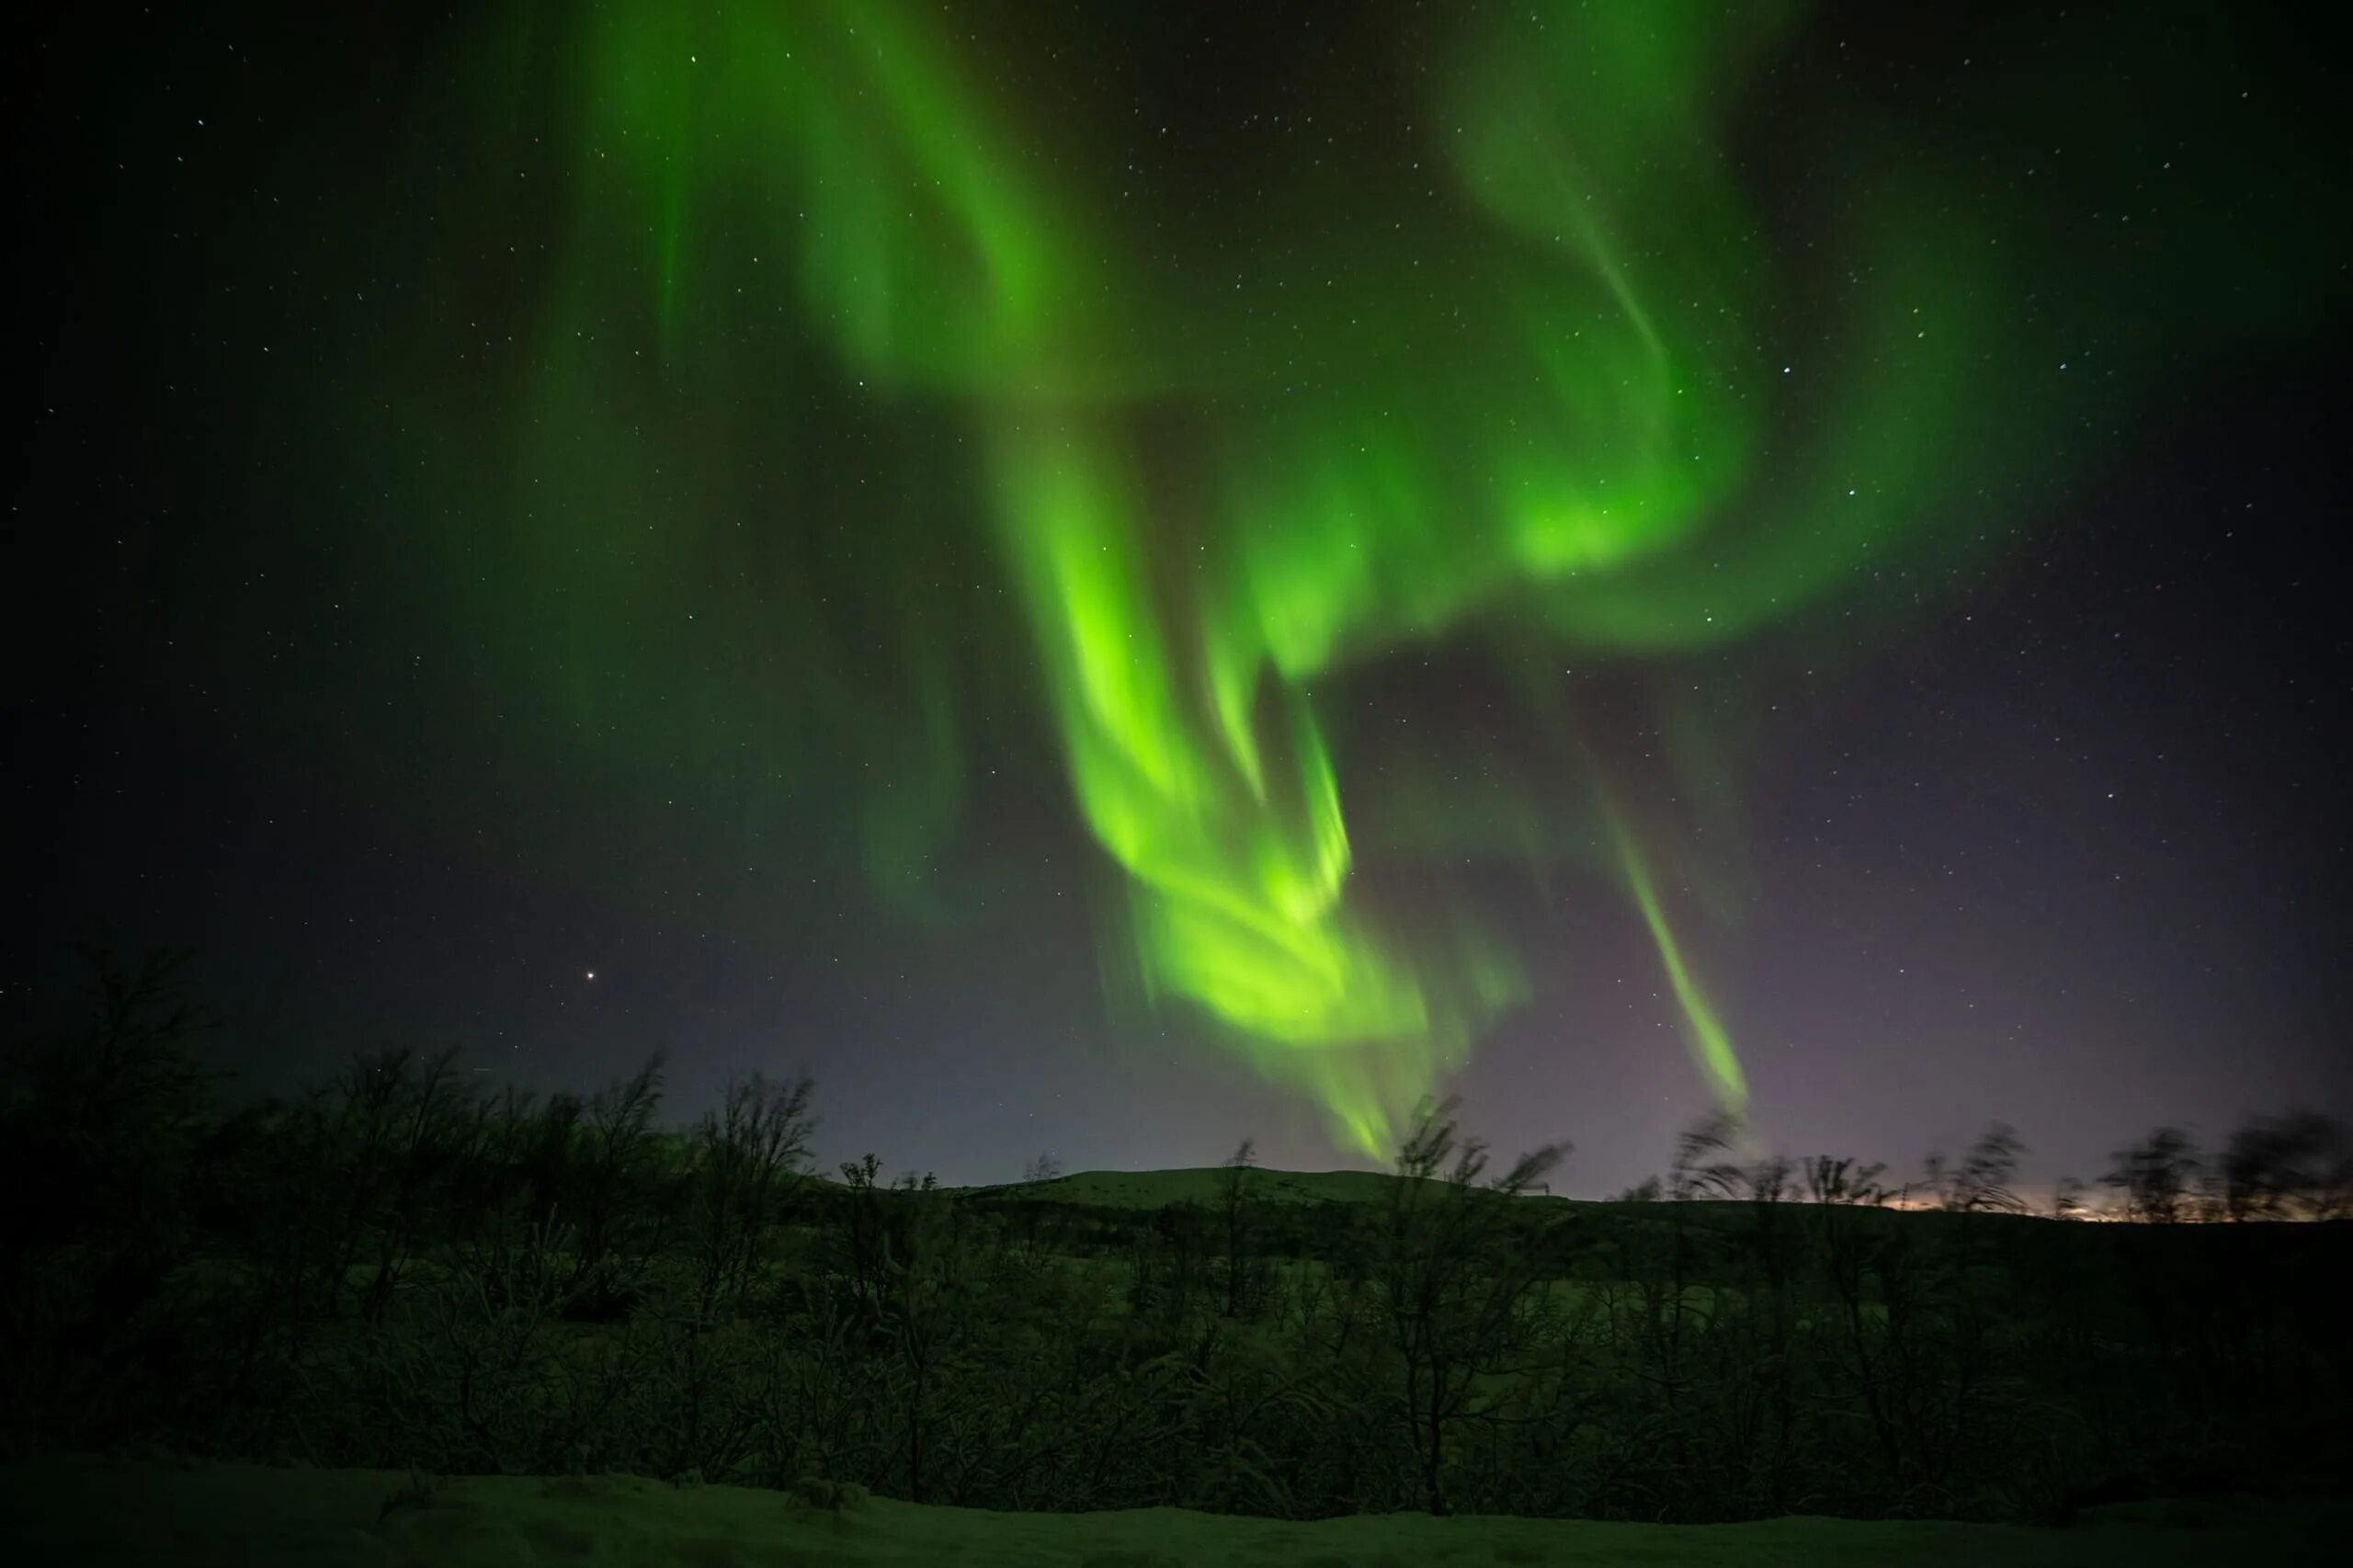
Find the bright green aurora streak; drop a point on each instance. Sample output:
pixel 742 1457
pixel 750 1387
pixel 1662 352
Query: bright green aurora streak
pixel 1542 381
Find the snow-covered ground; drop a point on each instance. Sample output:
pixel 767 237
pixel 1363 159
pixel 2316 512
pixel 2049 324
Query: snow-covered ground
pixel 91 1512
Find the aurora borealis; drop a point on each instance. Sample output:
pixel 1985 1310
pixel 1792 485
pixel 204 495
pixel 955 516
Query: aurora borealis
pixel 1347 488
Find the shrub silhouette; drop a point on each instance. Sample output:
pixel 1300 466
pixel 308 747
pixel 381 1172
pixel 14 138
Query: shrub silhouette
pixel 403 1270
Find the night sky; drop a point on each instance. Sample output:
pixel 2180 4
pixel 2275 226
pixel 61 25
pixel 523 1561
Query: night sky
pixel 1103 579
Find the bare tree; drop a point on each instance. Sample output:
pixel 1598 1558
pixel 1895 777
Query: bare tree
pixel 1854 1254
pixel 1702 1166
pixel 1981 1183
pixel 1769 1180
pixel 96 1126
pixel 1244 1276
pixel 859 1250
pixel 423 1133
pixel 2277 1167
pixel 924 1265
pixel 2067 1199
pixel 1458 1273
pixel 613 1175
pixel 1843 1182
pixel 749 1156
pixel 2156 1176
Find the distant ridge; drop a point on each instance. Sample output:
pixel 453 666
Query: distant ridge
pixel 1158 1189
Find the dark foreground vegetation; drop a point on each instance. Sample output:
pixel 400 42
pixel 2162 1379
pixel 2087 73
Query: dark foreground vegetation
pixel 402 1270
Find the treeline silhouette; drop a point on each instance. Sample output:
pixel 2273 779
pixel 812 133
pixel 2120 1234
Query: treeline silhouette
pixel 403 1269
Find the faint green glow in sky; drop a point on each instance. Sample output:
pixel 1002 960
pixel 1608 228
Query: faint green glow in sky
pixel 1530 362
pixel 1710 1046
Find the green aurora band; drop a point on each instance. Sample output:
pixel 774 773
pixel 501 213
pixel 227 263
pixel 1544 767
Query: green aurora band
pixel 1557 390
